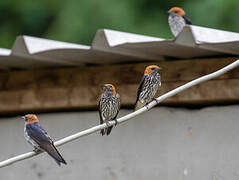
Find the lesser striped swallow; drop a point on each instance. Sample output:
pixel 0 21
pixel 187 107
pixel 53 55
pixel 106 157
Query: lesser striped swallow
pixel 39 139
pixel 109 105
pixel 177 19
pixel 148 87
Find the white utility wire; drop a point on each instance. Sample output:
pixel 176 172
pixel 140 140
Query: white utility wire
pixel 127 117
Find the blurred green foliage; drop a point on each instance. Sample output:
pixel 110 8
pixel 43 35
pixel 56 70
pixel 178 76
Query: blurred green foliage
pixel 78 20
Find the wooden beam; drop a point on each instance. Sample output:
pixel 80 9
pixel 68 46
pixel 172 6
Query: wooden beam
pixel 79 88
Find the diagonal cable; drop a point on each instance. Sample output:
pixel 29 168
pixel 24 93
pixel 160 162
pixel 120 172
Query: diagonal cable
pixel 127 117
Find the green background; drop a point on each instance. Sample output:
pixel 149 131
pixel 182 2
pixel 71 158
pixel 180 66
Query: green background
pixel 78 20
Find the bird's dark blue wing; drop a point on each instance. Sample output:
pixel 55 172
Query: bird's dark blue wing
pixel 37 133
pixel 101 119
pixel 100 112
pixel 140 88
pixel 187 20
pixel 117 106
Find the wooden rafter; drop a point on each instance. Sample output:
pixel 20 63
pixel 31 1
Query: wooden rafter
pixel 79 87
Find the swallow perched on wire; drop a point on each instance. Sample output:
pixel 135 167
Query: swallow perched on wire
pixel 109 105
pixel 39 139
pixel 148 87
pixel 177 19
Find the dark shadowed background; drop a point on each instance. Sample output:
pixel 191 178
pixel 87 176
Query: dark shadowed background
pixel 77 21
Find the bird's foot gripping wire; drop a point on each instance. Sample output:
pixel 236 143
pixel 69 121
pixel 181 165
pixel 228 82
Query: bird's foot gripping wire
pixel 116 122
pixel 107 123
pixel 147 105
pixel 155 99
pixel 36 150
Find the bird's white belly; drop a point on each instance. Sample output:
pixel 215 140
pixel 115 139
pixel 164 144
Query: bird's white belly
pixel 30 140
pixel 176 24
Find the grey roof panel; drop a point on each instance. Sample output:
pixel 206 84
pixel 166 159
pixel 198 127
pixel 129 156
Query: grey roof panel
pixel 123 43
pixel 150 48
pixel 111 46
pixel 4 58
pixel 208 35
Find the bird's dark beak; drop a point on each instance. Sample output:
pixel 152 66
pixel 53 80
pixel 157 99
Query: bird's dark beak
pixel 106 88
pixel 171 13
pixel 157 69
pixel 23 117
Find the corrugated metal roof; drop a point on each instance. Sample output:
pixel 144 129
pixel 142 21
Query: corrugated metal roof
pixel 111 46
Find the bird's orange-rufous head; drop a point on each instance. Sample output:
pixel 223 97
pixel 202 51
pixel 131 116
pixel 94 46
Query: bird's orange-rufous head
pixel 150 69
pixel 109 87
pixel 30 118
pixel 176 11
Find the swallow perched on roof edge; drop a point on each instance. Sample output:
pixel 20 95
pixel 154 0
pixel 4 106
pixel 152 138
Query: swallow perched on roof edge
pixel 109 105
pixel 150 83
pixel 39 139
pixel 177 19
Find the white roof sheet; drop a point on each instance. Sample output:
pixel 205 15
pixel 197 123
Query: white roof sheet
pixel 111 46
